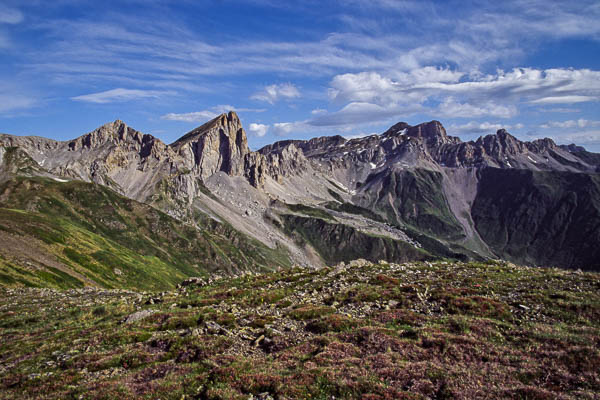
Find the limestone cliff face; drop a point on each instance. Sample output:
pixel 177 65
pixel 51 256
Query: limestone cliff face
pixel 285 161
pixel 141 166
pixel 218 145
pixel 221 145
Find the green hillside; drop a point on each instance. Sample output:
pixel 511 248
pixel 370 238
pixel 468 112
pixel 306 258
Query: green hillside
pixel 72 234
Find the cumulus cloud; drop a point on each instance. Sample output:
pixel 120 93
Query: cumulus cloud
pixel 286 128
pixel 374 88
pixel 259 130
pixel 272 93
pixel 466 96
pixel 118 95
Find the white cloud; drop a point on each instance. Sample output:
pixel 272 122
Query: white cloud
pixel 473 127
pixel 358 113
pixel 10 102
pixel 118 95
pixel 224 108
pixel 579 123
pixel 364 87
pixel 564 99
pixel 204 115
pixel 272 93
pixel 259 130
pixel 10 15
pixel 286 128
pixel 466 96
pixel 197 116
pixel 373 87
pixel 451 108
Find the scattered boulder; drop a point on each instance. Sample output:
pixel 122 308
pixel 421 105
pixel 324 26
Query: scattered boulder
pixel 137 316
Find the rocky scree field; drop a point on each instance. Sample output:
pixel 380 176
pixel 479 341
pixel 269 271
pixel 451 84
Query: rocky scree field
pixel 362 330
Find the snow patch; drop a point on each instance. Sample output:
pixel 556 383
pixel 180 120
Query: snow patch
pixel 373 166
pixel 531 159
pixel 61 180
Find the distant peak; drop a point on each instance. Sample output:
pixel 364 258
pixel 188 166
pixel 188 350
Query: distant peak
pixel 572 148
pixel 396 129
pixel 229 122
pixel 432 130
pixel 505 135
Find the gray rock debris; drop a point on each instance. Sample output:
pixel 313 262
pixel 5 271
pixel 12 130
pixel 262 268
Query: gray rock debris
pixel 137 316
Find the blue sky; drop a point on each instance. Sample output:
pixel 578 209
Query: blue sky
pixel 299 69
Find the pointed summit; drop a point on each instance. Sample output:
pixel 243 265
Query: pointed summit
pixel 220 145
pixel 227 122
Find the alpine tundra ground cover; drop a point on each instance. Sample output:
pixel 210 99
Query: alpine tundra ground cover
pixel 358 330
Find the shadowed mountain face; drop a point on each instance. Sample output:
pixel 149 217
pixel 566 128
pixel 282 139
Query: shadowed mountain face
pixel 411 193
pixel 540 217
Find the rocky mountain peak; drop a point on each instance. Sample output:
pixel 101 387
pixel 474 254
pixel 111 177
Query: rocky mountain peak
pixel 500 144
pixel 220 145
pixel 396 129
pixel 111 132
pixel 427 130
pixel 433 133
pixel 228 124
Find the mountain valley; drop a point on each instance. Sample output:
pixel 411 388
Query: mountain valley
pixel 411 193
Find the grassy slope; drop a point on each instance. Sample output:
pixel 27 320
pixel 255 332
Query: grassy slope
pixel 93 231
pixel 411 331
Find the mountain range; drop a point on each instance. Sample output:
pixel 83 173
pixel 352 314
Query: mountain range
pixel 119 208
